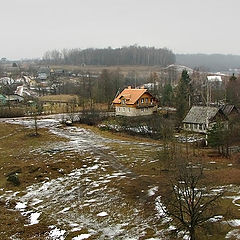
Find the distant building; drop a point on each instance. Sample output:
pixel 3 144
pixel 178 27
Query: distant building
pixel 3 60
pixel 214 82
pixel 43 73
pixel 14 98
pixel 214 79
pixel 230 110
pixel 200 119
pixel 42 76
pixel 135 102
pixel 2 99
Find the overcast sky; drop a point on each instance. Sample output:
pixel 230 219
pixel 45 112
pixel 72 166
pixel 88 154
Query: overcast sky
pixel 31 27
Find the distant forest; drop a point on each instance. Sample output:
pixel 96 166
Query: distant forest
pixel 137 55
pixel 132 55
pixel 209 62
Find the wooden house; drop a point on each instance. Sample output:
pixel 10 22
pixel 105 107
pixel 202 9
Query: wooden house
pixel 230 111
pixel 135 102
pixel 14 98
pixel 200 118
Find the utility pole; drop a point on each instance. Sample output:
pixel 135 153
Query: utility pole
pixel 207 120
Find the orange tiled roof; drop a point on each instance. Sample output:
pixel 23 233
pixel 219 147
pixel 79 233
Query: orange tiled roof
pixel 130 95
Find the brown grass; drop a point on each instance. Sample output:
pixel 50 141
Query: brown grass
pixel 17 155
pixel 62 97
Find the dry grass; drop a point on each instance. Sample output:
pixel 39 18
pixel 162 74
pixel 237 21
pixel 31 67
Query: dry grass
pixel 18 155
pixel 17 145
pixel 123 68
pixel 62 97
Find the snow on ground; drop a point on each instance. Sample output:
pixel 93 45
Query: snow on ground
pixel 56 233
pixel 233 234
pixel 82 236
pixel 34 218
pixel 102 214
pixel 86 198
pixel 152 191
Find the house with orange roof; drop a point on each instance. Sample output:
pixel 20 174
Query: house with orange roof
pixel 135 102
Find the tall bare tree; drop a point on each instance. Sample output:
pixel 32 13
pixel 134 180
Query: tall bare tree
pixel 189 203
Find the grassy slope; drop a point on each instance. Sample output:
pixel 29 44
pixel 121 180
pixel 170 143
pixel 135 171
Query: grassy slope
pixel 18 154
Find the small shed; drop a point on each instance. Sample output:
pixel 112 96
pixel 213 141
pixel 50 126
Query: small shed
pixel 14 98
pixel 230 110
pixel 201 118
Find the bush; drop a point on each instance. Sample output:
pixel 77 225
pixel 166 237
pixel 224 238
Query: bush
pixel 13 178
pixel 153 126
pixel 92 117
pixel 6 112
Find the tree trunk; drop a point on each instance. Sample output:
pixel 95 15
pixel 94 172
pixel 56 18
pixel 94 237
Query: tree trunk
pixel 36 126
pixel 192 234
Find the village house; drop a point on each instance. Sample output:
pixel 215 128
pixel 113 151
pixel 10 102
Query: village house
pixel 230 111
pixel 135 102
pixel 14 98
pixel 201 118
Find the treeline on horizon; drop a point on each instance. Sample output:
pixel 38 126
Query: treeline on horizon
pixel 132 55
pixel 140 55
pixel 209 62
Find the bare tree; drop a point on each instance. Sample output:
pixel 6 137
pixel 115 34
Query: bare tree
pixel 188 202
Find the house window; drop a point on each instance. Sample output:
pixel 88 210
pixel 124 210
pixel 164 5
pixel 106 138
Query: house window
pixel 146 100
pixel 119 109
pixel 129 109
pixel 123 101
pixel 137 102
pixel 142 100
pixel 123 109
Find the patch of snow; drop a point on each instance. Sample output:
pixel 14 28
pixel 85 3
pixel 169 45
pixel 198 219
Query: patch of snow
pixel 82 236
pixel 234 234
pixel 171 228
pixel 57 234
pixel 236 199
pixel 152 191
pixel 91 200
pixel 234 222
pixel 102 214
pixel 34 218
pixel 76 229
pixel 65 210
pixel 95 167
pixel 21 206
pixel 36 201
pixel 161 209
pixel 153 239
pixel 216 218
